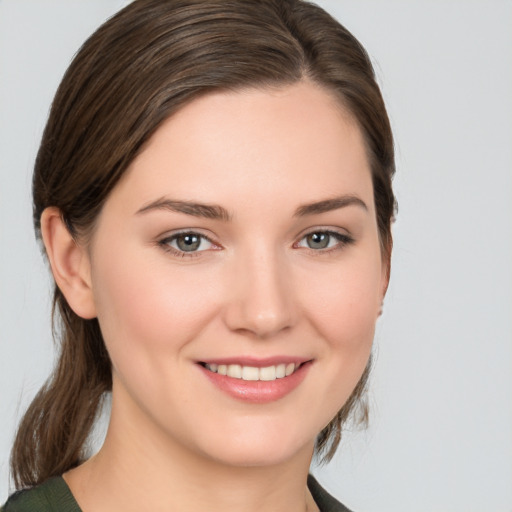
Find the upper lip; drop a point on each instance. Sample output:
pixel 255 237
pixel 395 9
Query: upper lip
pixel 256 362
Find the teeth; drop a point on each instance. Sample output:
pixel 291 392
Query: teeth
pixel 268 373
pixel 290 368
pixel 235 371
pixel 280 371
pixel 252 373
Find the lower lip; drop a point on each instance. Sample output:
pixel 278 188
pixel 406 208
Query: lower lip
pixel 259 391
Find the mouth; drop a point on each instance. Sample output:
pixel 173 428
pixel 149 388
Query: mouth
pixel 256 381
pixel 254 373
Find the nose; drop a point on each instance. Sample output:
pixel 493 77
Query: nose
pixel 261 299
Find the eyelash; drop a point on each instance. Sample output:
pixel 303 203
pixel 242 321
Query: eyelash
pixel 343 240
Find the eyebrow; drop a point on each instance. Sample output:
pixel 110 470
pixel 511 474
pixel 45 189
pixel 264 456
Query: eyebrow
pixel 328 205
pixel 207 211
pixel 216 212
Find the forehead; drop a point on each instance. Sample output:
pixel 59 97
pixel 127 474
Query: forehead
pixel 289 143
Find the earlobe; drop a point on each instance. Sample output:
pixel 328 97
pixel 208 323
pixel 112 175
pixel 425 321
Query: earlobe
pixel 69 262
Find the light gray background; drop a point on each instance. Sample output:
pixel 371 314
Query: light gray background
pixel 441 424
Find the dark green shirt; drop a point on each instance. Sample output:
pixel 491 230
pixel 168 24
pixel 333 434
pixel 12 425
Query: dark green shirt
pixel 54 496
pixel 51 496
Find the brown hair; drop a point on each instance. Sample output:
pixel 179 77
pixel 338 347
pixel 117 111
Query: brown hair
pixel 135 71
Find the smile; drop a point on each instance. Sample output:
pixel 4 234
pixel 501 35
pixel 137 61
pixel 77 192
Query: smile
pixel 256 381
pixel 252 373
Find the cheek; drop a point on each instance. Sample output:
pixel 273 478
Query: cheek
pixel 343 307
pixel 347 332
pixel 345 304
pixel 146 308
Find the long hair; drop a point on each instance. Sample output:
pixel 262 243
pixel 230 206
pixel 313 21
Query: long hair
pixel 136 70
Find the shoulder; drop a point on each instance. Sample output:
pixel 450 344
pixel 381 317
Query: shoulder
pixel 51 496
pixel 325 502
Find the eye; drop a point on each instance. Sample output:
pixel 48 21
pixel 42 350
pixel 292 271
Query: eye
pixel 187 243
pixel 319 240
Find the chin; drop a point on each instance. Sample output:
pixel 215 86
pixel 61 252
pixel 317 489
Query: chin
pixel 259 448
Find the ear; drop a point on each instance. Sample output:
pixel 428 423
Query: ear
pixel 70 263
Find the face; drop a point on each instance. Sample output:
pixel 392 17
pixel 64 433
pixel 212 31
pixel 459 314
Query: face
pixel 237 275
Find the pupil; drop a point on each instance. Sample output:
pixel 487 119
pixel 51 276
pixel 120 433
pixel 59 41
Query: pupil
pixel 318 240
pixel 188 242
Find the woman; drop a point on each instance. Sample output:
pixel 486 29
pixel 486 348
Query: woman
pixel 213 191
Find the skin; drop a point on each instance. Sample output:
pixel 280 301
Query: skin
pixel 175 441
